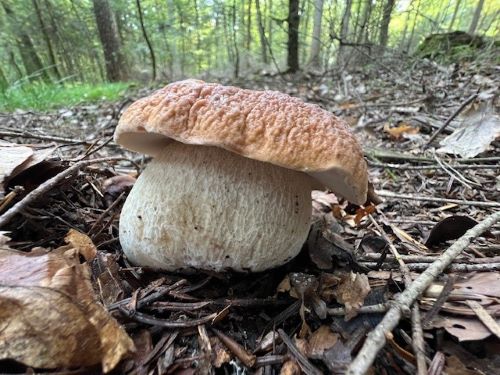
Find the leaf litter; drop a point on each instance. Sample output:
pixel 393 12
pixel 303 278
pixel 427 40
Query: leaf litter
pixel 312 314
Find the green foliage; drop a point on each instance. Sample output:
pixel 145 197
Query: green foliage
pixel 42 96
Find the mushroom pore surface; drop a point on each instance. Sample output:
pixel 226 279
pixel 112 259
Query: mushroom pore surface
pixel 208 208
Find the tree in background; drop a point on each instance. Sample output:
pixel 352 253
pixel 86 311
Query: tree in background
pixel 384 24
pixel 475 19
pixel 293 36
pixel 116 69
pixel 314 60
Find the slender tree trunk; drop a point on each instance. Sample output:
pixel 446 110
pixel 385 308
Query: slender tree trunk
pixel 305 11
pixel 412 34
pixel 198 37
pixel 262 33
pixel 236 70
pixel 314 59
pixel 475 18
pixel 293 36
pixel 270 25
pixel 48 43
pixel 31 61
pixel 454 17
pixel 145 34
pixel 362 31
pixel 13 62
pixel 249 26
pixel 384 25
pixel 3 81
pixel 113 58
pixel 344 32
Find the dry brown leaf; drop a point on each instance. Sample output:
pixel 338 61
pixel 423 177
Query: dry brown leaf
pixel 11 156
pixel 220 355
pixel 49 314
pixel 398 131
pixel 462 328
pixel 290 368
pixel 351 292
pixel 320 341
pixel 456 367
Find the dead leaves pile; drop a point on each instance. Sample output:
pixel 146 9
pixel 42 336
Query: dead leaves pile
pixel 49 314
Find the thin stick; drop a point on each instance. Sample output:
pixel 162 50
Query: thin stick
pixel 406 167
pixel 450 119
pixel 389 194
pixel 376 339
pixel 48 185
pixel 455 267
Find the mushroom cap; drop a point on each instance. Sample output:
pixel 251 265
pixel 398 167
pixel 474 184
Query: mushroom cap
pixel 268 126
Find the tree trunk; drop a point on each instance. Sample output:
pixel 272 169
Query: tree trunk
pixel 249 26
pixel 236 70
pixel 314 60
pixel 344 32
pixel 475 19
pixel 31 61
pixel 145 34
pixel 113 58
pixel 3 81
pixel 362 31
pixel 293 36
pixel 384 25
pixel 262 34
pixel 48 43
pixel 454 17
pixel 412 34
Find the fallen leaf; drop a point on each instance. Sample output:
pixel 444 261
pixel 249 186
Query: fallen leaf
pixel 320 341
pixel 11 156
pixel 464 329
pixel 290 367
pixel 351 292
pixel 49 314
pixel 478 130
pixel 450 228
pixel 456 367
pixel 397 132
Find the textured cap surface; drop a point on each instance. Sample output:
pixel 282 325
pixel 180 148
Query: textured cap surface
pixel 268 126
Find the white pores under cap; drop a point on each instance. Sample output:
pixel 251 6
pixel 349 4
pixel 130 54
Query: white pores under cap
pixel 208 208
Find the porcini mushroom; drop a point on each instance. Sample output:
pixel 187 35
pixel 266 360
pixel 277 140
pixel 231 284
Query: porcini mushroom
pixel 230 183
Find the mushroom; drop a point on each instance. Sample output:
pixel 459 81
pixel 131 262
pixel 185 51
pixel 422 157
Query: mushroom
pixel 230 183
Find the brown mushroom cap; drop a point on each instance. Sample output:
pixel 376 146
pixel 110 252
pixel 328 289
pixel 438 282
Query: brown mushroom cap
pixel 268 126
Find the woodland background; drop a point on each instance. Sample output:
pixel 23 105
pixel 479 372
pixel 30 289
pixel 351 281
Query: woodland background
pixel 54 50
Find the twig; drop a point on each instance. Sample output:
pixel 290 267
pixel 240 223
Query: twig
pixel 485 317
pixel 450 119
pixel 52 138
pixel 305 365
pixel 103 215
pixel 418 344
pixel 389 194
pixel 443 296
pixel 437 364
pixel 370 309
pixel 455 267
pixel 246 358
pixel 417 333
pixel 148 319
pixel 48 185
pixel 376 339
pixel 406 167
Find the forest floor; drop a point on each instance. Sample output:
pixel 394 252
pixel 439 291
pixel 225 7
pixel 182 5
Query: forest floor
pixel 65 182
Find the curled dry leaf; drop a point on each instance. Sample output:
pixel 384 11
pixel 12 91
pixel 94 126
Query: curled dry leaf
pixel 49 315
pixel 449 228
pixel 18 158
pixel 399 131
pixel 462 328
pixel 320 341
pixel 351 292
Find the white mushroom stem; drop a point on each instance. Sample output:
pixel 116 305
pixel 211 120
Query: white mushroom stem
pixel 208 208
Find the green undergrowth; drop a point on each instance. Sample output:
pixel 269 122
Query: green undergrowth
pixel 40 96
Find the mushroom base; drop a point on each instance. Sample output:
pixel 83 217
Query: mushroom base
pixel 207 208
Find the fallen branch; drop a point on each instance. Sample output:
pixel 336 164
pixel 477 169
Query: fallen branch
pixel 47 186
pixel 455 267
pixel 388 194
pixel 377 338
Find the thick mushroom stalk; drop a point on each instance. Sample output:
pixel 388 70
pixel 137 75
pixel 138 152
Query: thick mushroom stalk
pixel 208 208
